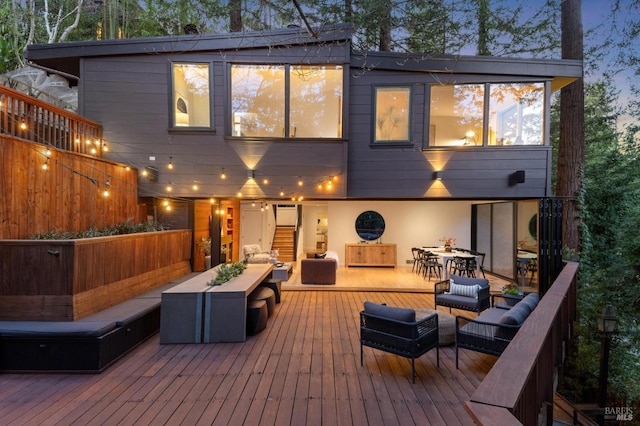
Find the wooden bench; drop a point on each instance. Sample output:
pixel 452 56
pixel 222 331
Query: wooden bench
pixel 88 345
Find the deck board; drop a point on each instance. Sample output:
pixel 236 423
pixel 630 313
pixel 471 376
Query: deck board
pixel 304 368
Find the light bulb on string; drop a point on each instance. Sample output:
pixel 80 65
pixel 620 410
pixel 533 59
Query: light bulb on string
pixel 170 165
pixel 45 165
pixel 223 175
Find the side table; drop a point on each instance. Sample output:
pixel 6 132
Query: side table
pixel 282 273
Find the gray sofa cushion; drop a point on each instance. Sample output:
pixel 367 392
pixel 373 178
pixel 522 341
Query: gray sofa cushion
pixel 390 312
pixel 515 315
pixel 55 328
pixel 453 299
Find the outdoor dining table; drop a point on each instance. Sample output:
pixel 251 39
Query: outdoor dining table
pixel 446 256
pixel 524 257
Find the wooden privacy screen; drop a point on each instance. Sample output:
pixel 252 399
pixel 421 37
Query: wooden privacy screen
pixel 54 280
pixel 67 196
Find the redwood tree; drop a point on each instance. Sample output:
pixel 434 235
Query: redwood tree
pixel 570 160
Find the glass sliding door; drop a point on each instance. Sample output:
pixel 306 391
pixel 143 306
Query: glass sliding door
pixel 495 224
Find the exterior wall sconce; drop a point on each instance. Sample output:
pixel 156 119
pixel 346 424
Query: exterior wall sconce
pixel 437 175
pixel 250 174
pixel 516 177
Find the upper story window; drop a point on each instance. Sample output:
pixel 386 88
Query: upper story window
pixel 191 95
pixel 286 101
pixel 514 115
pixel 392 114
pixel 456 115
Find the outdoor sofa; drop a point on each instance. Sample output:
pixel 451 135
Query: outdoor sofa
pixel 491 332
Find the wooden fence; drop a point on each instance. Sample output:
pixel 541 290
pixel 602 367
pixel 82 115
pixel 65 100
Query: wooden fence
pixel 519 389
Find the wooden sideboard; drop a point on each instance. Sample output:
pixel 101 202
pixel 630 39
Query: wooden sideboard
pixel 370 254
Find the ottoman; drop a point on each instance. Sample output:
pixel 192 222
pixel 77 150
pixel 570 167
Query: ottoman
pixel 266 294
pixel 256 316
pixel 446 325
pixel 275 285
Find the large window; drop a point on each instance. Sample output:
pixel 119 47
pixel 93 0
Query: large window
pixel 261 107
pixel 456 115
pixel 392 114
pixel 514 115
pixel 191 95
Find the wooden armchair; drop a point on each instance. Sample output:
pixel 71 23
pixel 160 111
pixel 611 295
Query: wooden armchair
pixel 395 330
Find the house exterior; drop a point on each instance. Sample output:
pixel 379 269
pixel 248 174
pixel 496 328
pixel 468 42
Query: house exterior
pixel 283 116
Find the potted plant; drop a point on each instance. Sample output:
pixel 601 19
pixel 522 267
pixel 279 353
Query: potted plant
pixel 512 293
pixel 448 242
pixel 205 246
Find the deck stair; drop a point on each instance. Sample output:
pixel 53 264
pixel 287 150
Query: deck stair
pixel 283 241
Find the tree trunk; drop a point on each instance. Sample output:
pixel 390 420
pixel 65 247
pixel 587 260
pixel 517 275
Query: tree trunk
pixel 385 27
pixel 483 35
pixel 235 16
pixel 571 146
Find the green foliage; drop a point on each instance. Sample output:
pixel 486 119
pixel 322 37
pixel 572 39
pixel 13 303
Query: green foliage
pixel 227 272
pixel 610 272
pixel 117 229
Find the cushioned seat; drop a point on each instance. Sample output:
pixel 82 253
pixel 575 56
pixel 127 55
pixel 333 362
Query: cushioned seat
pixel 318 271
pixel 266 294
pixel 257 314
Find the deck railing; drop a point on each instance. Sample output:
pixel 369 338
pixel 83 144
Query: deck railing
pixel 520 387
pixel 28 118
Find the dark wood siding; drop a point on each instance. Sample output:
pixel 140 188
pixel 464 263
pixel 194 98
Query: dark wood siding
pixel 406 171
pixel 130 97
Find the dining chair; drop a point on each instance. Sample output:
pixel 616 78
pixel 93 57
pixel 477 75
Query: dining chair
pixel 460 266
pixel 482 256
pixel 430 264
pixel 415 252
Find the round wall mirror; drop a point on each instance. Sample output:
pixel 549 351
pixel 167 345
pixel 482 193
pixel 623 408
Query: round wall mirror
pixel 370 225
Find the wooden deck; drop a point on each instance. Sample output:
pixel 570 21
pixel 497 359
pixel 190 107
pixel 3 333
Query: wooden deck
pixel 303 369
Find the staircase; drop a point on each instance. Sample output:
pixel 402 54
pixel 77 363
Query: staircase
pixel 283 241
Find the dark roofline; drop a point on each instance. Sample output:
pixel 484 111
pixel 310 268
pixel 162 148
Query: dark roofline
pixel 461 64
pixel 65 56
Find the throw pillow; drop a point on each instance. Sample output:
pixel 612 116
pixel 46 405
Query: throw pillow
pixel 532 300
pixel 463 290
pixel 320 255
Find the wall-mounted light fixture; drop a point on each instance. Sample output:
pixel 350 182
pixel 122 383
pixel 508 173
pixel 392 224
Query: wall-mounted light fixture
pixel 516 177
pixel 437 175
pixel 250 174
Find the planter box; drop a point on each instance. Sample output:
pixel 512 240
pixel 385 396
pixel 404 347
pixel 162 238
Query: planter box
pixel 66 280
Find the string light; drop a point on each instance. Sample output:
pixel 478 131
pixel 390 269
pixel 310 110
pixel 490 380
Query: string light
pixel 45 165
pixel 106 188
pixel 265 181
pixel 212 200
pixel 300 182
pixel 195 187
pixel 23 125
pixel 169 188
pixel 223 175
pixel 170 165
pixel 253 203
